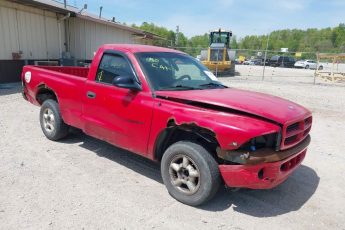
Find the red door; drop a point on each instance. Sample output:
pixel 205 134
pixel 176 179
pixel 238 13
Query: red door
pixel 117 115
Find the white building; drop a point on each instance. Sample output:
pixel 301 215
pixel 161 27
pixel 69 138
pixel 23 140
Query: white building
pixel 43 30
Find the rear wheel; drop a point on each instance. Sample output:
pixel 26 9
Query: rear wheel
pixel 190 173
pixel 307 66
pixel 53 127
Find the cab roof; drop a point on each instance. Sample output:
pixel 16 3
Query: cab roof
pixel 135 48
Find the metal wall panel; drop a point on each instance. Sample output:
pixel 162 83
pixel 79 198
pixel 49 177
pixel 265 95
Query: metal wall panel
pixel 8 34
pixel 31 35
pixel 86 36
pixel 53 37
pixel 32 31
pixel 35 33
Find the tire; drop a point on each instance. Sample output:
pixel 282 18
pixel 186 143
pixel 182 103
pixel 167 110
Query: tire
pixel 320 67
pixel 307 66
pixel 199 165
pixel 232 71
pixel 53 127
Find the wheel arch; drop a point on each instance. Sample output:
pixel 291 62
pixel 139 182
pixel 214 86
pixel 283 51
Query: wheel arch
pixel 185 132
pixel 44 93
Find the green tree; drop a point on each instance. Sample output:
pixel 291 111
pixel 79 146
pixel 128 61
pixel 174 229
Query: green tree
pixel 296 40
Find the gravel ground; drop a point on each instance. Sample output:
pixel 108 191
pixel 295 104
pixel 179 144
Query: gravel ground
pixel 83 183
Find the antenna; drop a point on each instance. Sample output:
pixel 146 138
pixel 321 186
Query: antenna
pixel 100 11
pixel 84 8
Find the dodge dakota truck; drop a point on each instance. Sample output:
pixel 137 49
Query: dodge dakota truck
pixel 165 105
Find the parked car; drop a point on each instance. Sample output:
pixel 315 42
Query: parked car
pixel 265 62
pixel 248 62
pixel 281 61
pixel 253 62
pixel 307 64
pixel 258 61
pixel 166 106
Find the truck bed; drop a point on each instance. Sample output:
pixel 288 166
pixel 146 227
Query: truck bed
pixel 67 82
pixel 71 70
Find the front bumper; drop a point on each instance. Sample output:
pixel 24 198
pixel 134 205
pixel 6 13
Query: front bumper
pixel 264 175
pixel 220 66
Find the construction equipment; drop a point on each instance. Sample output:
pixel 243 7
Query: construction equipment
pixel 219 58
pixel 333 73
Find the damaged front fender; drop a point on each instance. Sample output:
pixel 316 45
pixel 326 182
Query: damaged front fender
pixel 230 130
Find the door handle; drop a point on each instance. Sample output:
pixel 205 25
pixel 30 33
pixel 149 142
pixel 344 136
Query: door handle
pixel 90 94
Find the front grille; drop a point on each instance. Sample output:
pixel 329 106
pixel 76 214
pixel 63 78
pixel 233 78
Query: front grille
pixel 292 127
pixel 296 132
pixel 214 53
pixel 290 140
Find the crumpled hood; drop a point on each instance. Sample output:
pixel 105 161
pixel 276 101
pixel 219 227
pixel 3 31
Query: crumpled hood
pixel 259 104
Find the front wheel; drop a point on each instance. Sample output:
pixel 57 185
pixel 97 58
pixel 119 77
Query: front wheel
pixel 190 173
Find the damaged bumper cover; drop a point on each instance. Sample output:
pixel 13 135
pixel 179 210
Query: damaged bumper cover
pixel 263 169
pixel 264 155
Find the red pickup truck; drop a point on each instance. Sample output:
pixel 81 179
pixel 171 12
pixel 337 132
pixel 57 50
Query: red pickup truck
pixel 166 106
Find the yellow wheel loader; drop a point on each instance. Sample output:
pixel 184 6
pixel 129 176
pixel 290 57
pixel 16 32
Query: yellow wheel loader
pixel 219 58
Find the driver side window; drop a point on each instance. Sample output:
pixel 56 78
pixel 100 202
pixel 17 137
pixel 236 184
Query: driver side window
pixel 111 66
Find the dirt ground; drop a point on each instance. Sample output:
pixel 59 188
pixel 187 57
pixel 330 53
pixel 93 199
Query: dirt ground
pixel 83 183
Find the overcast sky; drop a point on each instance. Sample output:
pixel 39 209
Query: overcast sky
pixel 243 17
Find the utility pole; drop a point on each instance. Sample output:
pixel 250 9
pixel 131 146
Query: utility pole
pixel 177 33
pixel 263 71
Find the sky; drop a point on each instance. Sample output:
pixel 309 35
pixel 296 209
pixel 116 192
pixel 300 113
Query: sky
pixel 242 17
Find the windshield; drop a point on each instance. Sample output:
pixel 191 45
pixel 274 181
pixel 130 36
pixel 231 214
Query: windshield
pixel 222 37
pixel 175 71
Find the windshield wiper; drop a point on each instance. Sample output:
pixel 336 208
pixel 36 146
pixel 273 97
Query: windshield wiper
pixel 212 84
pixel 179 87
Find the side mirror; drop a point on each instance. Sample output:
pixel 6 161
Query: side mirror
pixel 126 82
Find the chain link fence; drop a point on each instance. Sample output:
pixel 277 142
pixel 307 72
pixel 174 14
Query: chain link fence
pixel 271 65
